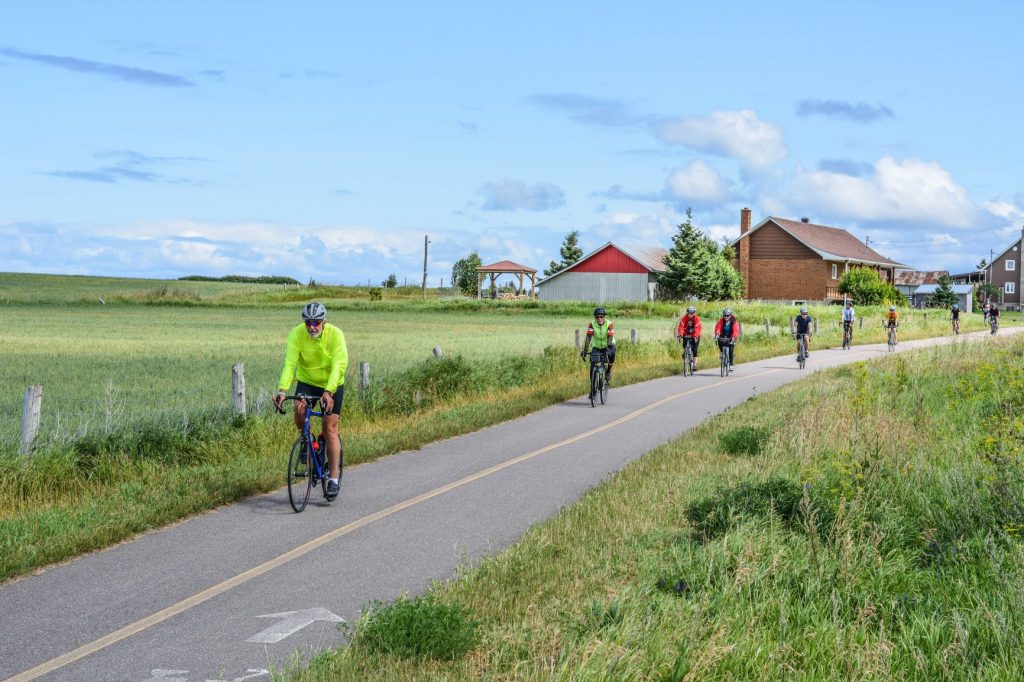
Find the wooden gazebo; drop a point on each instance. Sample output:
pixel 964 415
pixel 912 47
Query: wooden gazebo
pixel 506 267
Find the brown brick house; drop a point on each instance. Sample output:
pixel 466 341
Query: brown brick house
pixel 796 260
pixel 1005 272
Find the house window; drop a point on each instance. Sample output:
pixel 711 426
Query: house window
pixel 1009 287
pixel 835 271
pixel 1011 265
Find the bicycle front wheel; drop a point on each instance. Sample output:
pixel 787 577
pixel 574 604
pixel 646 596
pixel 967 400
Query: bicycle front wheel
pixel 603 388
pixel 300 479
pixel 593 386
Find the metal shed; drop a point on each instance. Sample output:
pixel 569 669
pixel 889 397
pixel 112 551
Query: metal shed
pixel 923 294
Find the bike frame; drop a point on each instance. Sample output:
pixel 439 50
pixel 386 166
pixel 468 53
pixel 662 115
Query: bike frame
pixel 688 344
pixel 307 436
pixel 598 368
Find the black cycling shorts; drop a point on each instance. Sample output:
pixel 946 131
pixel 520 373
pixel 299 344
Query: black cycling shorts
pixel 302 388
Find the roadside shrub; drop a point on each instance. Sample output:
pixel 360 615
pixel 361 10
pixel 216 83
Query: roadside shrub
pixel 713 516
pixel 746 440
pixel 418 628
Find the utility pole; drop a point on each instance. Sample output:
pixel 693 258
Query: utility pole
pixel 426 241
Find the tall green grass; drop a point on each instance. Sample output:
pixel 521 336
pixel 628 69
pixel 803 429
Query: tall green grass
pixel 875 536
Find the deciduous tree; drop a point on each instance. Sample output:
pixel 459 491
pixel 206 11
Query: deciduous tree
pixel 464 276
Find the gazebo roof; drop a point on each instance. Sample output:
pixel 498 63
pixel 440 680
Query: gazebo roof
pixel 505 266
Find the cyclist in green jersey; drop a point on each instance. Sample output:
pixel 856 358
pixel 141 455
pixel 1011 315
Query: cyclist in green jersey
pixel 601 335
pixel 317 358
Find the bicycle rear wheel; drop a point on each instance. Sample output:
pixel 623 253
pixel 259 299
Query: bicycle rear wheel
pixel 300 479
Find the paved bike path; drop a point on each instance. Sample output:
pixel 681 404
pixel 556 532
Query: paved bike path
pixel 235 592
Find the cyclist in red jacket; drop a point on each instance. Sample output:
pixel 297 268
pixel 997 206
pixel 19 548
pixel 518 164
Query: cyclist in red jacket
pixel 727 330
pixel 689 332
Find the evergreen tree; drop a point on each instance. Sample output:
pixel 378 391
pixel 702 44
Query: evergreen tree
pixel 570 252
pixel 464 276
pixel 391 282
pixel 697 268
pixel 943 296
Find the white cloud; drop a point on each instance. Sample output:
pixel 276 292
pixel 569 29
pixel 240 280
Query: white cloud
pixel 722 233
pixel 897 191
pixel 735 134
pixel 697 182
pixel 641 229
pixel 510 195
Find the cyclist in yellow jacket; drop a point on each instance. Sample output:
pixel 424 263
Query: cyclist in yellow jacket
pixel 317 358
pixel 892 321
pixel 601 336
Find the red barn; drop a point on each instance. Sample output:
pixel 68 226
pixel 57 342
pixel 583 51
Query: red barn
pixel 611 273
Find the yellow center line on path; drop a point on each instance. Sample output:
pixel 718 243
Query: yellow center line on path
pixel 280 560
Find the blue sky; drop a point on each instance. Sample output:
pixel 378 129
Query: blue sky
pixel 325 139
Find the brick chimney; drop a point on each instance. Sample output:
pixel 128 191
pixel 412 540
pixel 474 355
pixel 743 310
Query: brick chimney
pixel 743 251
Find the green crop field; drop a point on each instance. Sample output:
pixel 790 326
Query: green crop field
pixel 100 365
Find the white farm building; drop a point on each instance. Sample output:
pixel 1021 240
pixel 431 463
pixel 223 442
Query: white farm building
pixel 611 273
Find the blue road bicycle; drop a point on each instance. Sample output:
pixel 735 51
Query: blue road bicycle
pixel 307 463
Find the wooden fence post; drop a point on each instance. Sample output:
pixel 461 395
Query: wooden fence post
pixel 791 331
pixel 862 323
pixel 815 325
pixel 438 352
pixel 238 387
pixel 578 339
pixel 364 375
pixel 30 414
pixel 767 327
pixel 633 336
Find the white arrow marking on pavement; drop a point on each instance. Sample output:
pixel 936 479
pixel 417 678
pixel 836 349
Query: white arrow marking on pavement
pixel 292 623
pixel 255 672
pixel 165 675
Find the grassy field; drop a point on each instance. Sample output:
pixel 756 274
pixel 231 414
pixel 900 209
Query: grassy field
pixel 138 391
pixel 864 524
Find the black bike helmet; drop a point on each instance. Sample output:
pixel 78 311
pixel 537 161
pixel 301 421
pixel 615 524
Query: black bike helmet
pixel 691 310
pixel 314 311
pixel 600 311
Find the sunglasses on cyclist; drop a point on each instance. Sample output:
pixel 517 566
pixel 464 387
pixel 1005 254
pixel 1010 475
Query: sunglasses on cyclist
pixel 314 323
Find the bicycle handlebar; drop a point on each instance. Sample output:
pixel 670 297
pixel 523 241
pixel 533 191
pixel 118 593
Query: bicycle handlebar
pixel 297 398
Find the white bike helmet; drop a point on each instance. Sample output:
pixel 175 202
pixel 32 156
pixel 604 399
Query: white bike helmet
pixel 314 311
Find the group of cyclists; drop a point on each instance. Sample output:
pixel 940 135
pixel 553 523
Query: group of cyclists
pixel 727 329
pixel 317 358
